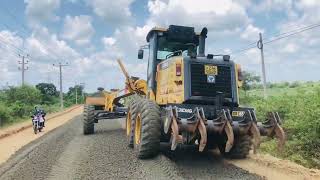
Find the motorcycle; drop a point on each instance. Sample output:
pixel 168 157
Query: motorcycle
pixel 37 122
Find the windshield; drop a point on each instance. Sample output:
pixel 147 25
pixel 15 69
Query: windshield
pixel 163 54
pixel 166 48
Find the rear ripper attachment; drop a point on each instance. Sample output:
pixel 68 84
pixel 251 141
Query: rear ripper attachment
pixel 229 125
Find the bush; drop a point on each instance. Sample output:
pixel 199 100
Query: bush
pixel 294 84
pixel 4 114
pixel 301 116
pixel 20 109
pixel 25 94
pixel 17 103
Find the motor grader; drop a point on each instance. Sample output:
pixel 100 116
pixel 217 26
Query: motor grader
pixel 192 98
pixel 108 106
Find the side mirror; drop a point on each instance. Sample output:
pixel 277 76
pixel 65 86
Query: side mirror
pixel 140 54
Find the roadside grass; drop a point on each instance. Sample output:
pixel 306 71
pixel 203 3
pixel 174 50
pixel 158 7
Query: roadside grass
pixel 299 108
pixel 290 90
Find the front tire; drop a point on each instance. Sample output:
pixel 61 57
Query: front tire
pixel 147 130
pixel 88 120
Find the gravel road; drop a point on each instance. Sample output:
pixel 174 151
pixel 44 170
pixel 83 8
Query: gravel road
pixel 65 153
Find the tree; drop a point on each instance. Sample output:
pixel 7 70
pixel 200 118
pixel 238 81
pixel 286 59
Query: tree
pixel 72 90
pixel 249 79
pixel 24 94
pixel 70 97
pixel 22 99
pixel 48 92
pixel 100 89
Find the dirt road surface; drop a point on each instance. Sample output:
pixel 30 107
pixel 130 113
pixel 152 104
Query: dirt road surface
pixel 65 153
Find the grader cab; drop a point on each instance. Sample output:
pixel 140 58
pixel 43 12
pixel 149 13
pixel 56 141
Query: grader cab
pixel 192 98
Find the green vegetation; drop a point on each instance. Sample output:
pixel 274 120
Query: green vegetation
pixel 17 103
pixel 298 104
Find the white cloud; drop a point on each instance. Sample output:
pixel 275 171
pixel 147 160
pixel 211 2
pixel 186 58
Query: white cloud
pixel 78 28
pixel 108 41
pixel 43 44
pixel 228 22
pixel 305 4
pixel 268 5
pixel 251 33
pixel 43 10
pixel 73 1
pixel 217 15
pixel 113 12
pixel 290 48
pixel 9 58
pixel 227 18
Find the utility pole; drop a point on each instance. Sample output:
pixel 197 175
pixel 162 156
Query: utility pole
pixel 260 46
pixel 23 68
pixel 60 65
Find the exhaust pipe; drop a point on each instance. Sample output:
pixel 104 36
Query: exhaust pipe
pixel 202 42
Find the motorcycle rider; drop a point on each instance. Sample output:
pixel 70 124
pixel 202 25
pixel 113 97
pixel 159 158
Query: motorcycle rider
pixel 42 112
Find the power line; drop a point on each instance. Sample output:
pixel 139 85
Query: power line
pixel 5 48
pixel 243 50
pixel 291 34
pixel 26 31
pixel 294 30
pixel 11 45
pixel 280 36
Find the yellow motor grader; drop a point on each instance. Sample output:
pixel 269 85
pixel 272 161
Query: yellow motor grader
pixel 108 105
pixel 192 98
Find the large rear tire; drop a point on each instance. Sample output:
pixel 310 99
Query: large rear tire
pixel 88 120
pixel 147 130
pixel 240 149
pixel 133 110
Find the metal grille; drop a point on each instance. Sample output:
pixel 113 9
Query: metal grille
pixel 201 87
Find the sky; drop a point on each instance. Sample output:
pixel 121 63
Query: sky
pixel 90 35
